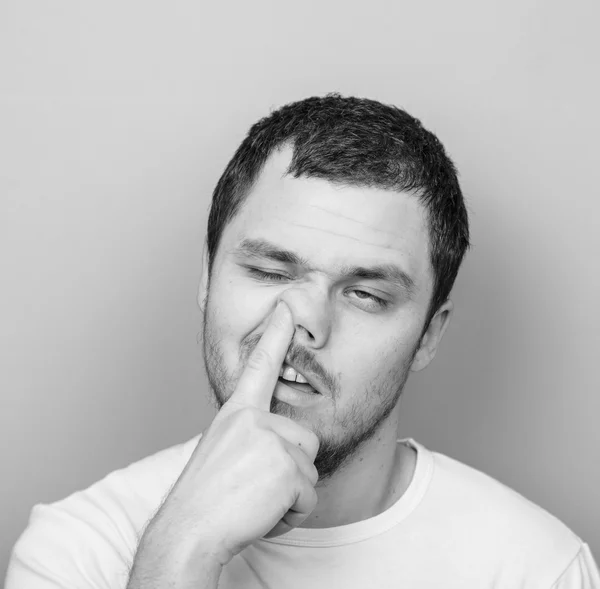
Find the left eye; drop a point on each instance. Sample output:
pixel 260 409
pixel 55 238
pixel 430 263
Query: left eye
pixel 364 296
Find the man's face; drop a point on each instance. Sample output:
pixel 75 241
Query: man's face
pixel 357 348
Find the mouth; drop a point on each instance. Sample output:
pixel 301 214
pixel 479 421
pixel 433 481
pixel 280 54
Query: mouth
pixel 299 386
pixel 292 376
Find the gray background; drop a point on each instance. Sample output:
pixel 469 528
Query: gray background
pixel 117 119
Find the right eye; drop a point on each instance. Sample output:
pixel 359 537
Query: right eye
pixel 262 275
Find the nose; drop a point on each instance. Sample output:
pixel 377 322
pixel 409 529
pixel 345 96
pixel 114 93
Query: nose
pixel 312 314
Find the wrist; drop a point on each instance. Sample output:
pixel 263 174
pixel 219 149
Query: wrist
pixel 166 557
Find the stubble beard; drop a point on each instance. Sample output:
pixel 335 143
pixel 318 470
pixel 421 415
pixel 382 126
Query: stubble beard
pixel 334 452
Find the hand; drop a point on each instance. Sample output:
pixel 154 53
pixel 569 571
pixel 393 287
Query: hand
pixel 252 473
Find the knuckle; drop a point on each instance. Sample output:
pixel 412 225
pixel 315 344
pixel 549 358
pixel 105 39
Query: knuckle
pixel 311 443
pixel 272 447
pixel 314 440
pixel 314 476
pixel 273 442
pixel 288 466
pixel 246 414
pixel 314 498
pixel 246 417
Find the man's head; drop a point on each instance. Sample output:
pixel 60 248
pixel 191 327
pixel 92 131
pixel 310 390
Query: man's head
pixel 317 190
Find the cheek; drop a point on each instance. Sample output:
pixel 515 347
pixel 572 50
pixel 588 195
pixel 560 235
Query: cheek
pixel 371 357
pixel 238 310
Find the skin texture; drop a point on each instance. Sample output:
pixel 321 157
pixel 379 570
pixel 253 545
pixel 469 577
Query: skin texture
pixel 360 353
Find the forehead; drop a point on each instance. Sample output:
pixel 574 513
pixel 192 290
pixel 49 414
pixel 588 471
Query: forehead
pixel 331 224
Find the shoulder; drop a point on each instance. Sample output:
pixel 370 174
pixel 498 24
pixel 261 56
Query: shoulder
pixel 507 530
pixel 98 526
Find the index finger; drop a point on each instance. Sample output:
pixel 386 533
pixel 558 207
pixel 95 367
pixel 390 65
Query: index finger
pixel 257 383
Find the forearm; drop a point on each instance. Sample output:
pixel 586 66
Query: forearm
pixel 148 576
pixel 163 562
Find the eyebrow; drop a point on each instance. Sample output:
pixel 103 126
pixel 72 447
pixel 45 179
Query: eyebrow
pixel 263 249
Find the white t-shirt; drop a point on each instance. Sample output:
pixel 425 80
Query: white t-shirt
pixel 454 527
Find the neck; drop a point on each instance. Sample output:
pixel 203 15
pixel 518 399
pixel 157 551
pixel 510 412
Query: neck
pixel 375 477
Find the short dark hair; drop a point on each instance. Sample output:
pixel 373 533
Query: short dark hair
pixel 359 142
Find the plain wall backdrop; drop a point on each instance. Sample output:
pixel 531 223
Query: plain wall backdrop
pixel 117 119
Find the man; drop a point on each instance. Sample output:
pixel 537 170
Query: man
pixel 335 235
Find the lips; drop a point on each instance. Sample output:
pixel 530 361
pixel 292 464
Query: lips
pixel 311 387
pixel 299 386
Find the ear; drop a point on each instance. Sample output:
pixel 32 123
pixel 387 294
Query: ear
pixel 433 336
pixel 203 288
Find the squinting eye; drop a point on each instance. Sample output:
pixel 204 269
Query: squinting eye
pixel 266 275
pixel 262 275
pixel 381 302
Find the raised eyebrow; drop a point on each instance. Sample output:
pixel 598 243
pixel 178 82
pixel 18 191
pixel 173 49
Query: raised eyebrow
pixel 263 249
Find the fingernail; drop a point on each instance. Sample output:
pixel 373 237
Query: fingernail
pixel 282 308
